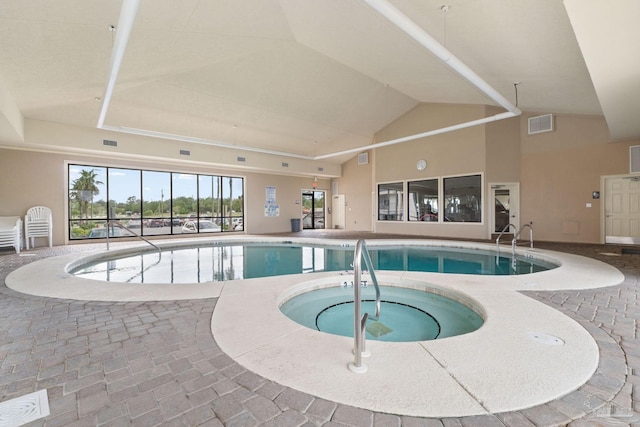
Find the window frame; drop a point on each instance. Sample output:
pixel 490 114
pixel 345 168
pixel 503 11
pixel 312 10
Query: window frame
pixel 442 214
pixel 79 229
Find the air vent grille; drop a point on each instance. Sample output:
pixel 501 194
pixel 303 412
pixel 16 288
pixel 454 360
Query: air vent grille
pixel 110 142
pixel 285 164
pixel 363 158
pixel 241 159
pixel 540 124
pixel 185 152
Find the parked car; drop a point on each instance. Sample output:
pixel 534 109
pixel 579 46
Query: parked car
pixel 155 223
pixel 239 225
pixel 204 226
pixel 502 217
pixel 98 233
pixel 134 223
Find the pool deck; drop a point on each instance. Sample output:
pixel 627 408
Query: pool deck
pixel 157 363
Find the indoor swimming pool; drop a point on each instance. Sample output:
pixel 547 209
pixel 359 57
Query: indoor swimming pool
pixel 234 261
pixel 460 375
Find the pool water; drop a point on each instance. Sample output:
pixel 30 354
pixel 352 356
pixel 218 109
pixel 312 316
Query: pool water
pixel 245 261
pixel 405 314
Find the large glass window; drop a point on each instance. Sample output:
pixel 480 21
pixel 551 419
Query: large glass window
pixel 151 202
pixel 208 201
pixel 390 201
pixel 156 205
pixel 423 200
pixel 463 198
pixel 87 200
pixel 184 199
pixel 232 203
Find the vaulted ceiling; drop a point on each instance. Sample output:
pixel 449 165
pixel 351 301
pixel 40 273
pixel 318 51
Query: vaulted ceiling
pixel 308 78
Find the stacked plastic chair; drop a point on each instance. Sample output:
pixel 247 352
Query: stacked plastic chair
pixel 38 223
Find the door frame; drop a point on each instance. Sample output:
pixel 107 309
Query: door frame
pixel 324 208
pixel 514 208
pixel 629 240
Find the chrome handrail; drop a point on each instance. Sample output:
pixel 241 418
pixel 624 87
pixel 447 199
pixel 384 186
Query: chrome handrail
pixel 515 236
pixel 514 243
pixel 119 224
pixel 502 232
pixel 359 320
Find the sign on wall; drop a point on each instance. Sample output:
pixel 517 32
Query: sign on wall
pixel 271 207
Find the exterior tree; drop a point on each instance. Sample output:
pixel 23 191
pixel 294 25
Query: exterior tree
pixel 84 189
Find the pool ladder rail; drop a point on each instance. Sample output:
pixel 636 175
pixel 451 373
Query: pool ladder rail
pixel 360 320
pixel 111 223
pixel 514 241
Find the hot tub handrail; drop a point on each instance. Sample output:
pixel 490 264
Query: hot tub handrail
pixel 505 229
pixel 515 236
pixel 359 320
pixel 112 222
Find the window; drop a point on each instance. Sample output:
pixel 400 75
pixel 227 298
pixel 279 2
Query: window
pixel 463 198
pixel 151 202
pixel 390 202
pixel 87 200
pixel 156 204
pixel 423 200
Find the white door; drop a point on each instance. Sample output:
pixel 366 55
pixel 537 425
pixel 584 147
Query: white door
pixel 504 207
pixel 622 210
pixel 338 214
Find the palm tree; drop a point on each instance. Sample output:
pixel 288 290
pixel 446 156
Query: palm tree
pixel 84 189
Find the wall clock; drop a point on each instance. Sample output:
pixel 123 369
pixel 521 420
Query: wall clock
pixel 421 165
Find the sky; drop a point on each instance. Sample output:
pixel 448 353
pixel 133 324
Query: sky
pixel 125 183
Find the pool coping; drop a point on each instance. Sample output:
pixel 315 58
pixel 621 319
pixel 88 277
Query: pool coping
pixel 49 277
pixel 306 360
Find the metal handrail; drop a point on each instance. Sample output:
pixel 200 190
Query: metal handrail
pixel 514 243
pixel 515 236
pixel 502 232
pixel 119 224
pixel 359 320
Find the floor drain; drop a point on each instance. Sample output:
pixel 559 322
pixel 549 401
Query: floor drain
pixel 24 409
pixel 545 338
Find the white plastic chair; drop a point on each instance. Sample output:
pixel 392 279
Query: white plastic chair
pixel 38 223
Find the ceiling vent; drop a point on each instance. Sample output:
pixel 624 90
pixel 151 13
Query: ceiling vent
pixel 363 158
pixel 540 124
pixel 110 142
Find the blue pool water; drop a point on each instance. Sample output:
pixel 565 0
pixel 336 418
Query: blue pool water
pixel 245 261
pixel 405 314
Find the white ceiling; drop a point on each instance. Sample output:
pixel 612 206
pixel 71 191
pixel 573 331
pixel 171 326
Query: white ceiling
pixel 311 77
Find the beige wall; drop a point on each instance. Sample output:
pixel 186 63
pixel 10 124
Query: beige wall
pixel 29 178
pixel 455 153
pixel 557 172
pixel 357 187
pixel 503 151
pixel 561 169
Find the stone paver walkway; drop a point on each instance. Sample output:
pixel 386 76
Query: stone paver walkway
pixel 156 363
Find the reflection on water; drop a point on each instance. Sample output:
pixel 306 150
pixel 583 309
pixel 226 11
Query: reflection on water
pixel 221 263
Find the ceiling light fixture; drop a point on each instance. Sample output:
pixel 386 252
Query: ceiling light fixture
pixel 400 20
pixel 390 12
pixel 125 25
